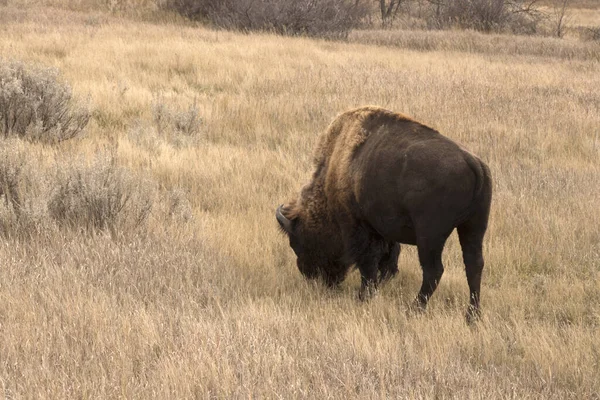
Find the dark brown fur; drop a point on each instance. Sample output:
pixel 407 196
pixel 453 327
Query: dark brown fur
pixel 381 179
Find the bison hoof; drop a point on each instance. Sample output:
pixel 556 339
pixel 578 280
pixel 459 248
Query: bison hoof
pixel 473 315
pixel 417 307
pixel 367 293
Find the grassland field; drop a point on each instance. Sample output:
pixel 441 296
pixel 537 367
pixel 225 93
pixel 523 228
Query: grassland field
pixel 205 301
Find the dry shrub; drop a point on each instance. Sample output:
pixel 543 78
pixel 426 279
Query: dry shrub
pixel 36 104
pixel 592 34
pixel 12 163
pixel 127 7
pixel 178 126
pixel 101 196
pixel 22 210
pixel 179 206
pixel 145 138
pixel 485 15
pixel 172 125
pixel 325 18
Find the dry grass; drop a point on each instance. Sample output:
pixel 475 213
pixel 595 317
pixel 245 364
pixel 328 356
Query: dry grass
pixel 476 42
pixel 206 301
pixel 585 17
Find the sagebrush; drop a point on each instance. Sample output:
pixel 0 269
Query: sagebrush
pixel 174 123
pixel 101 196
pixel 36 103
pixel 12 163
pixel 23 189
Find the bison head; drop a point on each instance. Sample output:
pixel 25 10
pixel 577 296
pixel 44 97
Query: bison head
pixel 318 251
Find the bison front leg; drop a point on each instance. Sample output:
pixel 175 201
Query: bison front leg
pixel 368 279
pixel 388 265
pixel 368 261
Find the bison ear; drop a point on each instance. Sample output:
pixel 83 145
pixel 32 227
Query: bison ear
pixel 284 222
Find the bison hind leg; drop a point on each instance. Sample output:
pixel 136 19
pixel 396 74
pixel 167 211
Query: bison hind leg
pixel 471 235
pixel 430 249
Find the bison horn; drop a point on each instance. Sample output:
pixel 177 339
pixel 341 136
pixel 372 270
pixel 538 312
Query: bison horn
pixel 285 223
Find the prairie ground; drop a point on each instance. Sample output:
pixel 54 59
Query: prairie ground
pixel 205 300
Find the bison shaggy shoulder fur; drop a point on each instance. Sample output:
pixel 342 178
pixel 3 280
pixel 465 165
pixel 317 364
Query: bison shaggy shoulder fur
pixel 382 179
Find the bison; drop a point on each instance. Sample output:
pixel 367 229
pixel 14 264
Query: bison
pixel 381 179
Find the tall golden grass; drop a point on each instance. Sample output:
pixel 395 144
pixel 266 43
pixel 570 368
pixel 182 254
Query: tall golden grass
pixel 212 306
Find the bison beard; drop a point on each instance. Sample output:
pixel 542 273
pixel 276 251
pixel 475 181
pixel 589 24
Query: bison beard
pixel 382 179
